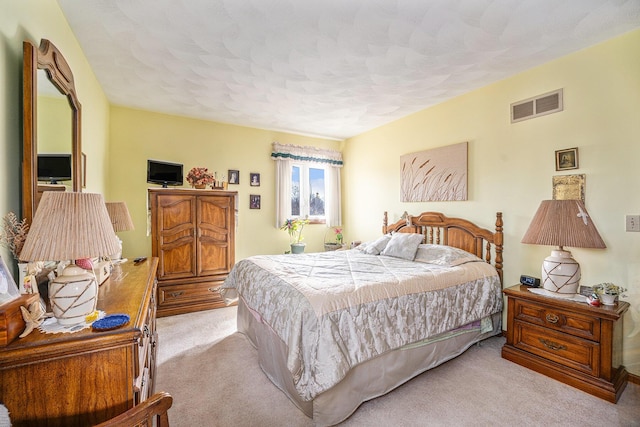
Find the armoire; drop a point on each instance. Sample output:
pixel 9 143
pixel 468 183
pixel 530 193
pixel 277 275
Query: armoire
pixel 193 236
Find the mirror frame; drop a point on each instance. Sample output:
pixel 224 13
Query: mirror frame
pixel 47 57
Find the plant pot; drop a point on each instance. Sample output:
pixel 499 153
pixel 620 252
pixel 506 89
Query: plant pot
pixel 200 186
pixel 608 299
pixel 297 248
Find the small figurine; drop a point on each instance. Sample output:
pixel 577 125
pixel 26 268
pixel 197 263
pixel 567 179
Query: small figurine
pixel 32 317
pixel 594 300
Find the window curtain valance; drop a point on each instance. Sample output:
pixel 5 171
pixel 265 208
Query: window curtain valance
pixel 285 156
pixel 299 154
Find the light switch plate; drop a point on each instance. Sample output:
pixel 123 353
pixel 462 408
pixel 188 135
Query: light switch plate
pixel 632 222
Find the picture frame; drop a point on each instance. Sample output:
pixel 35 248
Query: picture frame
pixel 567 159
pixel 234 176
pixel 254 201
pixel 254 179
pixel 8 288
pixel 569 187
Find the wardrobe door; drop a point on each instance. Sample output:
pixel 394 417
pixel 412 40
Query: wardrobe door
pixel 215 239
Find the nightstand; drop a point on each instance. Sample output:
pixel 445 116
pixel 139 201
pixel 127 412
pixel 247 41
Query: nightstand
pixel 572 342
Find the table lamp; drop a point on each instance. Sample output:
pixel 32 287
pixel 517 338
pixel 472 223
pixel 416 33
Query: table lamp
pixel 121 221
pixel 562 223
pixel 70 226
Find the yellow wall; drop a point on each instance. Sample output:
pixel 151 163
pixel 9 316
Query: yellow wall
pixel 511 165
pixel 33 20
pixel 140 135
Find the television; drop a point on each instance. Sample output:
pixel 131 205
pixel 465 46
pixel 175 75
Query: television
pixel 54 167
pixel 164 173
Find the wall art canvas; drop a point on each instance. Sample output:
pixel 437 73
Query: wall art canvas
pixel 435 175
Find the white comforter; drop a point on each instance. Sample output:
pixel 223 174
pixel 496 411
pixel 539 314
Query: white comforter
pixel 335 310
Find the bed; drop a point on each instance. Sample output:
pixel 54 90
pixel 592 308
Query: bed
pixel 335 329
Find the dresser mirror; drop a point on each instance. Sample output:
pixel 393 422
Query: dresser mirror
pixel 51 121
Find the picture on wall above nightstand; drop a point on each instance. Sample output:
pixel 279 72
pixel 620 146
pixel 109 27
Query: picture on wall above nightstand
pixel 567 159
pixel 569 187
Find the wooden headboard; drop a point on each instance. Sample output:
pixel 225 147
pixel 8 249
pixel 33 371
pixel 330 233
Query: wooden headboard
pixel 439 229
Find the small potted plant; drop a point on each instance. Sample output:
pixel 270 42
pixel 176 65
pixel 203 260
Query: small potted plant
pixel 294 227
pixel 199 177
pixel 609 293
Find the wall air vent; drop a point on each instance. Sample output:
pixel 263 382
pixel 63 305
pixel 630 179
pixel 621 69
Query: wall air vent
pixel 537 106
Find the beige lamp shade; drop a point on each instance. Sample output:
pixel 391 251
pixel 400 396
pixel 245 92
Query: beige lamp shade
pixel 562 223
pixel 69 226
pixel 120 217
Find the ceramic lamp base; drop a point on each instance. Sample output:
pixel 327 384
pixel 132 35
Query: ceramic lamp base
pixel 561 274
pixel 73 295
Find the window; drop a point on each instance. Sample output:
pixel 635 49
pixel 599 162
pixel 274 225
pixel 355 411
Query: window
pixel 308 192
pixel 307 183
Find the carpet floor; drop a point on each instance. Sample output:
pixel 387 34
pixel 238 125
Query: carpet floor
pixel 212 372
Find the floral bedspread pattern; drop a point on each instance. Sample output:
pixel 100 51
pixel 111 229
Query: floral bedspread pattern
pixel 335 310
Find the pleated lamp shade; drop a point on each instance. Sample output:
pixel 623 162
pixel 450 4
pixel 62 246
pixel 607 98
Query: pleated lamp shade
pixel 69 226
pixel 120 217
pixel 562 223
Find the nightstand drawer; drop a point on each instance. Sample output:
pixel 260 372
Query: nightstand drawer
pixel 573 352
pixel 575 324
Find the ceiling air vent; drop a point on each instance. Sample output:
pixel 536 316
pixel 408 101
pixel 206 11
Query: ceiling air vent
pixel 537 106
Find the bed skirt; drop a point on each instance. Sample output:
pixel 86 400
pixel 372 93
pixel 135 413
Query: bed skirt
pixel 365 381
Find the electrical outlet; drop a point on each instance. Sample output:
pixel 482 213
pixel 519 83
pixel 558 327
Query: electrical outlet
pixel 632 222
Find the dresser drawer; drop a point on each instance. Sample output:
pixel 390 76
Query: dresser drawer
pixel 189 293
pixel 576 324
pixel 573 352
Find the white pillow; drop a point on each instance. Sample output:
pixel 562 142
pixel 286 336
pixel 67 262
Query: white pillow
pixel 375 247
pixel 403 245
pixel 447 256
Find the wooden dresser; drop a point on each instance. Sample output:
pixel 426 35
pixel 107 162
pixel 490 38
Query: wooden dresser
pixel 193 236
pixel 569 341
pixel 87 377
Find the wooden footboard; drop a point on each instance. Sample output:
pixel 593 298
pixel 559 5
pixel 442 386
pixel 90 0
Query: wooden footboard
pixel 460 233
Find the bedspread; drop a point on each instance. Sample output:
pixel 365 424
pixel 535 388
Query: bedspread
pixel 337 309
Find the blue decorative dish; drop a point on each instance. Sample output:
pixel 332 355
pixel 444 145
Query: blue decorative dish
pixel 112 321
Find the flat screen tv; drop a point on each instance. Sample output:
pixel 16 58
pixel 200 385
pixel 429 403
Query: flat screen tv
pixel 54 167
pixel 164 173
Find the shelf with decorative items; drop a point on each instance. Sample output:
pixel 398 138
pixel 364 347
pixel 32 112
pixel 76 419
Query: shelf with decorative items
pixel 334 239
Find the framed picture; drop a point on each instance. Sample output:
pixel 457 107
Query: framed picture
pixel 567 159
pixel 234 176
pixel 569 187
pixel 8 289
pixel 254 201
pixel 254 179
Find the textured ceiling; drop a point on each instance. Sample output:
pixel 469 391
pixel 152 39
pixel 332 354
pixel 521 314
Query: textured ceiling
pixel 331 68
